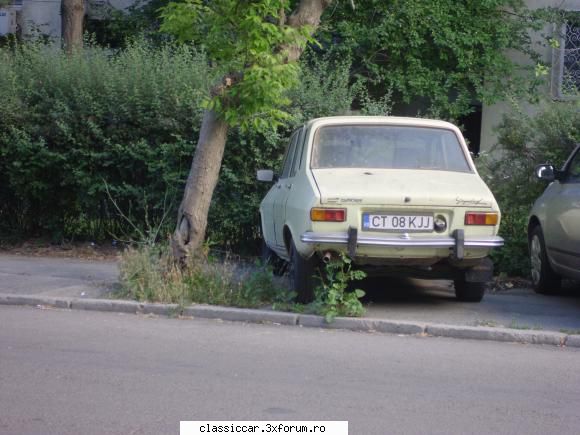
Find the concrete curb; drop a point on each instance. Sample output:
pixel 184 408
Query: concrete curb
pixel 240 314
pixel 303 320
pixel 498 334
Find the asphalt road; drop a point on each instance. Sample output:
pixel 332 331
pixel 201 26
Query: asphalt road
pixel 73 372
pixel 434 301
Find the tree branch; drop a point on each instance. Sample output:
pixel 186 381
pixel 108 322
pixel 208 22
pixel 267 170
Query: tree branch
pixel 307 13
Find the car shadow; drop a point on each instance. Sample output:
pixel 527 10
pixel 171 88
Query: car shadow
pixel 569 289
pixel 406 291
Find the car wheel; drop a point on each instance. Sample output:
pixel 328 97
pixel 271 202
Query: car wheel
pixel 469 291
pixel 301 274
pixel 544 279
pixel 270 259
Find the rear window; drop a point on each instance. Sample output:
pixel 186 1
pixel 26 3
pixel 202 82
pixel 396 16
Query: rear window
pixel 387 147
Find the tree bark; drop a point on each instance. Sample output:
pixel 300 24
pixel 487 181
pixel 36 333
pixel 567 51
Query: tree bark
pixel 73 14
pixel 203 176
pixel 307 13
pixel 189 233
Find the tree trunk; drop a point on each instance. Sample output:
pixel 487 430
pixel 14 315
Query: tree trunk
pixel 203 177
pixel 73 14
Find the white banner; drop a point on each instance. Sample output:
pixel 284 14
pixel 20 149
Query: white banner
pixel 263 427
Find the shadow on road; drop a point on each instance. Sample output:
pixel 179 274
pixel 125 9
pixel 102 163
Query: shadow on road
pixel 406 291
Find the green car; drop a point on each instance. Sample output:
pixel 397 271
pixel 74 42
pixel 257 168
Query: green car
pixel 400 196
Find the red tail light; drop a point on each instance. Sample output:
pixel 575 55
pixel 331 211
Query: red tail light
pixel 328 214
pixel 478 218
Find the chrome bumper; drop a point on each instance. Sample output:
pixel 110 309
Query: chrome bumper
pixel 402 241
pixel 351 239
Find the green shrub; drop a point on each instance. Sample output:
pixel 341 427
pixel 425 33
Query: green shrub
pixel 332 296
pixel 127 121
pixel 68 125
pixel 523 142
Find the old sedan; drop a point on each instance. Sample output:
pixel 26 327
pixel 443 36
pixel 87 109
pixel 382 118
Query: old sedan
pixel 554 226
pixel 398 195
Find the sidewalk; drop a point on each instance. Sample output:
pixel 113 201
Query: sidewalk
pixel 405 306
pixel 53 277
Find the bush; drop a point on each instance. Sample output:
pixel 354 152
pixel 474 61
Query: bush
pixel 71 125
pixel 525 141
pixel 88 137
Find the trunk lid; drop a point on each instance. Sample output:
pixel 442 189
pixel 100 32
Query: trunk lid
pixel 407 187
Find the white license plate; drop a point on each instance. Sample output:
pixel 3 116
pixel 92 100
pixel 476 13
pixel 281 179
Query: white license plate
pixel 393 222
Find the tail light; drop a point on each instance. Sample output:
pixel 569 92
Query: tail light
pixel 478 218
pixel 328 214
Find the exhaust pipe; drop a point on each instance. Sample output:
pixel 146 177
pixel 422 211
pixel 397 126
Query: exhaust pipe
pixel 327 257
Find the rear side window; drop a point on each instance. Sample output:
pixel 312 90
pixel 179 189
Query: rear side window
pixel 387 147
pixel 298 152
pixel 289 157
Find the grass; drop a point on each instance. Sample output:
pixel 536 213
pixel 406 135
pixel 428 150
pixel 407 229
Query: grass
pixel 515 325
pixel 148 274
pixel 488 323
pixel 570 331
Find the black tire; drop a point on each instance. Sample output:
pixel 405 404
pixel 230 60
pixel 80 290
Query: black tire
pixel 544 279
pixel 270 259
pixel 469 291
pixel 301 274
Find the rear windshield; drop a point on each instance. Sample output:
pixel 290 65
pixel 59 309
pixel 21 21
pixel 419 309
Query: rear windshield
pixel 387 147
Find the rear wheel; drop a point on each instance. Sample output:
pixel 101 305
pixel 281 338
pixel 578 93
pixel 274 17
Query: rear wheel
pixel 301 273
pixel 469 291
pixel 270 259
pixel 544 279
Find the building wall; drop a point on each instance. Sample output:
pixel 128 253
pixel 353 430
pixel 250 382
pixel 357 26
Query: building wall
pixel 493 114
pixel 7 21
pixel 43 17
pixel 99 9
pixel 40 17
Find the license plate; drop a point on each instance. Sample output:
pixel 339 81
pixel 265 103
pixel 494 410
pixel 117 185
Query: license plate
pixel 394 222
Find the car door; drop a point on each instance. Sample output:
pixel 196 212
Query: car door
pixel 282 189
pixel 563 219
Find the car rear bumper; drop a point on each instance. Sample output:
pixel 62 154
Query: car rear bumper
pixel 352 240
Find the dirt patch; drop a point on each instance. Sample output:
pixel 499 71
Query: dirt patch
pixel 507 283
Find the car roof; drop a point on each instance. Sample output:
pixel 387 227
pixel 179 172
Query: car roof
pixel 393 120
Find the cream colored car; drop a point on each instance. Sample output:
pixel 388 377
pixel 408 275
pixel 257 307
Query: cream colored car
pixel 398 195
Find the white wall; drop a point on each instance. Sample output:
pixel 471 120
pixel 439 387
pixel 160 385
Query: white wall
pixel 40 16
pixel 7 21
